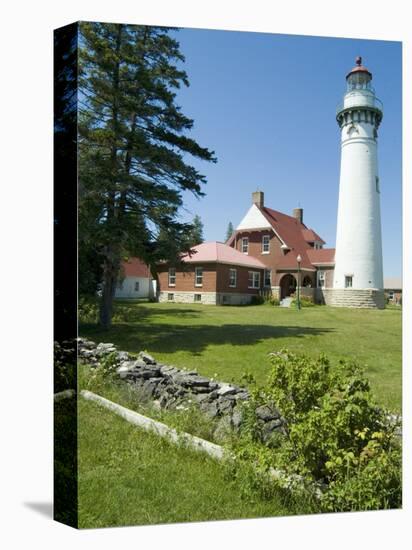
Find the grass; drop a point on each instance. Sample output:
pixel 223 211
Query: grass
pixel 130 477
pixel 228 341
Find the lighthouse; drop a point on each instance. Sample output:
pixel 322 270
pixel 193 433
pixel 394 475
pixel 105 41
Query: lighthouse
pixel 358 275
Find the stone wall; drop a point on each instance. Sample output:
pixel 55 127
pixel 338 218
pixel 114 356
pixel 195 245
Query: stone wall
pixel 208 298
pixel 349 297
pixel 172 388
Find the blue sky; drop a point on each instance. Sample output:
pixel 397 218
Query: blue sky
pixel 266 104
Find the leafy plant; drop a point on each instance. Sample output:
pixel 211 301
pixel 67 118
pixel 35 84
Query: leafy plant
pixel 334 434
pixel 305 301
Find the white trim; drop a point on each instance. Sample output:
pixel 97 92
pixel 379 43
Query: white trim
pixel 198 285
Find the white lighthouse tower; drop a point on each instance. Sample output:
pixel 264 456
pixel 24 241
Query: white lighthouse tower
pixel 358 276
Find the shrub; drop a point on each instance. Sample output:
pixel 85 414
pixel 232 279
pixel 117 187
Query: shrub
pixel 305 301
pixel 88 310
pixel 335 435
pixel 257 300
pixel 274 301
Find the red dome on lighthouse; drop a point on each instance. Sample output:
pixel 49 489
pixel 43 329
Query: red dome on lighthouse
pixel 359 68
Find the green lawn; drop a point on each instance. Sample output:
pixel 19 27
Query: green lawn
pixel 130 477
pixel 228 341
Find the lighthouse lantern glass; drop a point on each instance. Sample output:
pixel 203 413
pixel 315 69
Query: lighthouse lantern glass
pixel 359 80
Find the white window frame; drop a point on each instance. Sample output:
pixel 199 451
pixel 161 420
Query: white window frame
pixel 172 276
pixel 194 298
pixel 270 277
pixel 198 277
pixel 255 279
pixel 347 279
pixel 321 278
pixel 265 244
pixel 245 241
pixel 138 286
pixel 391 295
pixel 231 272
pixel 170 297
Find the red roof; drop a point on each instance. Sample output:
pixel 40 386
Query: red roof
pixel 134 267
pixel 322 256
pixel 220 253
pixel 290 230
pixel 310 236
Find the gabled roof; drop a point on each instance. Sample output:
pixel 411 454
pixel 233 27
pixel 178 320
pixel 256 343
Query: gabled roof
pixel 310 236
pixel 322 256
pixel 216 252
pixel 134 267
pixel 290 230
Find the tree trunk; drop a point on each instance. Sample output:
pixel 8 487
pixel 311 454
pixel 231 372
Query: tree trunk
pixel 110 274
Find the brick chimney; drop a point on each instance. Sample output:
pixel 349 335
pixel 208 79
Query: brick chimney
pixel 258 198
pixel 298 214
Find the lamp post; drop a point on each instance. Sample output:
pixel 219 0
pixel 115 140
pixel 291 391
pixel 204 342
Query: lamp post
pixel 299 259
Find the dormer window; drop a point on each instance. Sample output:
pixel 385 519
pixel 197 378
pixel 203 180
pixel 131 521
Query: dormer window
pixel 265 244
pixel 245 245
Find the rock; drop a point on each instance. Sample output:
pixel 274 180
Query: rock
pixel 200 397
pixel 223 428
pixel 148 359
pixel 210 409
pixel 225 406
pixel 226 389
pixel 272 425
pixel 192 381
pixel 237 418
pixel 242 395
pixel 123 356
pixel 167 370
pixel 266 413
pixel 122 371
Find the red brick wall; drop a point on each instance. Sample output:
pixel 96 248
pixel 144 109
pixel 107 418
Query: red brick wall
pixel 242 279
pixel 255 247
pixel 185 280
pixel 215 279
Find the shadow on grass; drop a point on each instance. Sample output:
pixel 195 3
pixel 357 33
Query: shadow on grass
pixel 169 338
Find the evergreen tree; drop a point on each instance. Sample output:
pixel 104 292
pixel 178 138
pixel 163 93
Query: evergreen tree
pixel 229 231
pixel 195 235
pixel 133 148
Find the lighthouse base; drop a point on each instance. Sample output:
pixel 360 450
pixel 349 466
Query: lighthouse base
pixel 350 297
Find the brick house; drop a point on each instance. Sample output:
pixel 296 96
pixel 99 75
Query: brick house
pixel 393 290
pixel 279 240
pixel 213 274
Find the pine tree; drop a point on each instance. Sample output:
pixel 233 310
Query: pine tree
pixel 195 235
pixel 133 148
pixel 229 231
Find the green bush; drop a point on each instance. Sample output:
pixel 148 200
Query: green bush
pixel 274 301
pixel 257 300
pixel 88 310
pixel 305 301
pixel 335 435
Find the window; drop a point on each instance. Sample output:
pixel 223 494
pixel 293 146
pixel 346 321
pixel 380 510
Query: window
pixel 232 278
pixel 245 245
pixel 391 295
pixel 377 184
pixel 172 276
pixel 170 297
pixel 254 279
pixel 265 244
pixel 197 298
pixel 136 286
pixel 348 281
pixel 321 279
pixel 267 278
pixel 198 276
pixel 120 285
